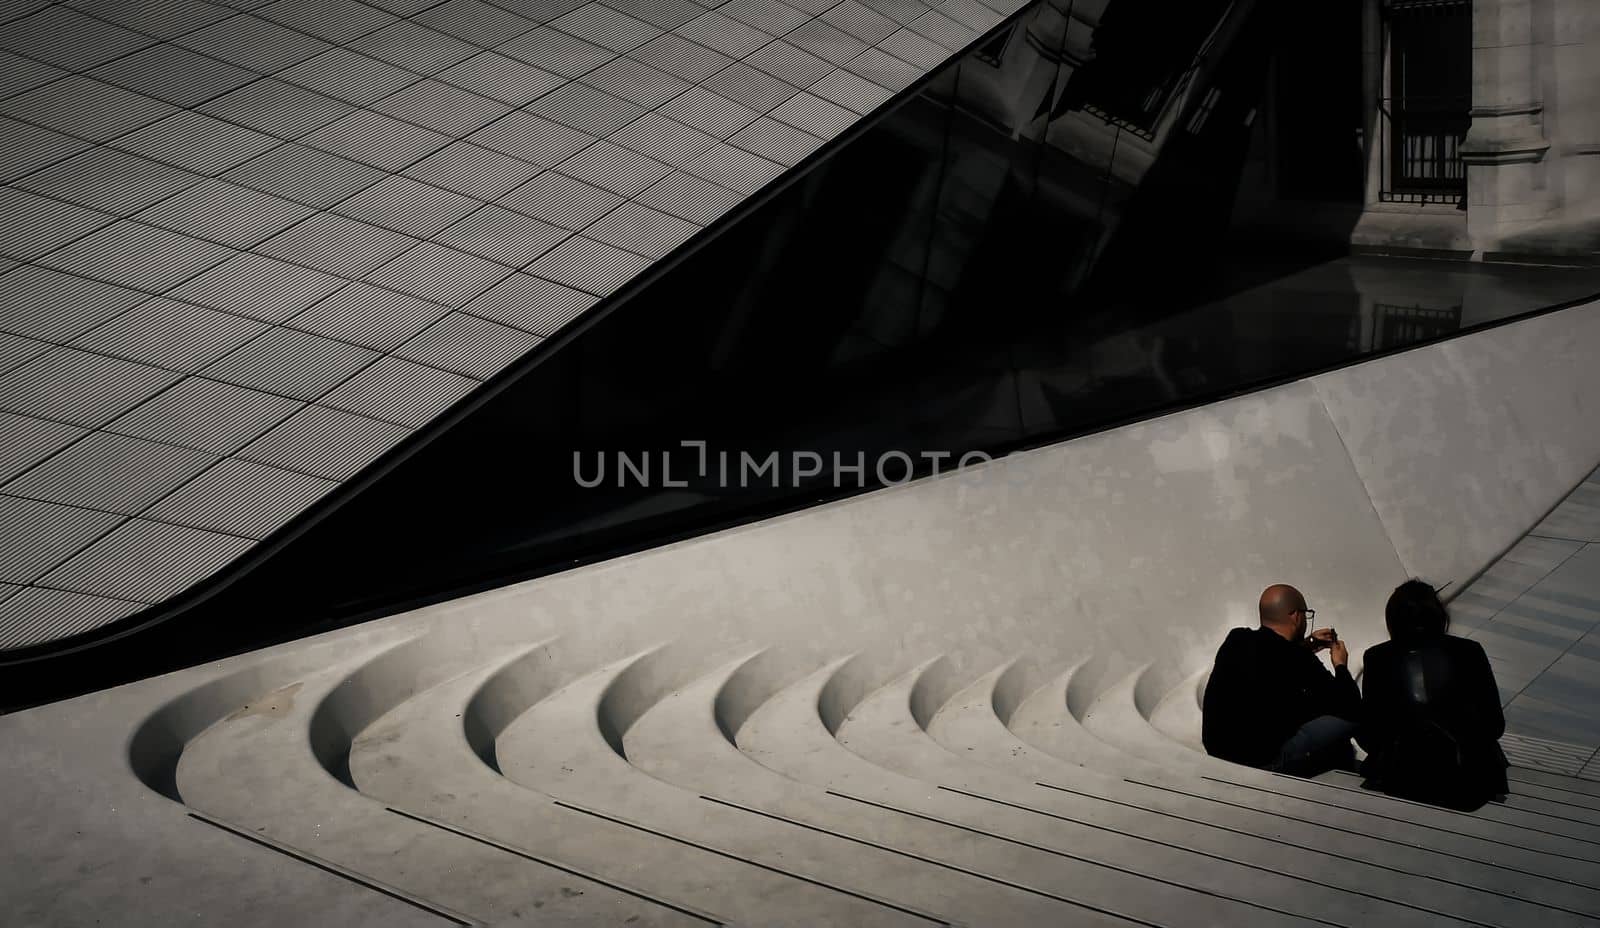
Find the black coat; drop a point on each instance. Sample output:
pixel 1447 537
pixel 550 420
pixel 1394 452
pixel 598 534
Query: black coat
pixel 1433 722
pixel 1263 687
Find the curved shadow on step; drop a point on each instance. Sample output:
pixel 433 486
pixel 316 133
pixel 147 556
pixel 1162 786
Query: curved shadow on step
pixel 386 682
pixel 509 692
pixel 158 742
pixel 761 677
pixel 853 681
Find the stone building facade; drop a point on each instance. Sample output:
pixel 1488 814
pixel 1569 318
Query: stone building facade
pixel 1475 132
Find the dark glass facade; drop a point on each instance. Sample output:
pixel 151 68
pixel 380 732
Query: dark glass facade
pixel 990 266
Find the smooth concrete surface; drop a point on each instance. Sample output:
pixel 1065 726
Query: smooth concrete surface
pixel 1537 613
pixel 967 700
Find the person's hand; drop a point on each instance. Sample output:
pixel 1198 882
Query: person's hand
pixel 1339 653
pixel 1322 637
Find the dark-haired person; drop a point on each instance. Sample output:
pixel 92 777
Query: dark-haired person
pixel 1270 703
pixel 1432 708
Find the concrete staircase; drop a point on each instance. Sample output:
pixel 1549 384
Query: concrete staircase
pixel 540 783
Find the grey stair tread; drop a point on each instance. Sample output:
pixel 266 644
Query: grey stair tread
pixel 557 747
pixel 1552 805
pixel 253 770
pixel 968 725
pixel 1115 718
pixel 679 740
pixel 1044 720
pixel 787 734
pixel 1554 781
pixel 417 757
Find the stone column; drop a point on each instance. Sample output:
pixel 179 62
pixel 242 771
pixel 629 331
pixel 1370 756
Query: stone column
pixel 1504 152
pixel 1373 75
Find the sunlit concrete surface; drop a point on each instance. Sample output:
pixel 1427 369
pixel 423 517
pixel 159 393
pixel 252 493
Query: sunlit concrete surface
pixel 1537 613
pixel 968 700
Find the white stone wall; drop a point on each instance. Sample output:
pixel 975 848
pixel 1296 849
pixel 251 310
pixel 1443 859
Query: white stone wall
pixel 1144 543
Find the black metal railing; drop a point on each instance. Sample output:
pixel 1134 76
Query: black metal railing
pixel 1426 113
pixel 1422 144
pixel 1396 325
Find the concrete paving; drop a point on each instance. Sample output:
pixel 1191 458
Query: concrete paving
pixel 1537 613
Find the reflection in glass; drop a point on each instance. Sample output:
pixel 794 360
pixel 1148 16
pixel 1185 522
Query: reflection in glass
pixel 1032 245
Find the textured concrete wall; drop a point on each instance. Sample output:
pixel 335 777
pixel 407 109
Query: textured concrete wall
pixel 1147 542
pixel 1465 445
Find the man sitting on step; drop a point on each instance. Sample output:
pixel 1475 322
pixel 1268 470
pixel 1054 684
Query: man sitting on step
pixel 1271 704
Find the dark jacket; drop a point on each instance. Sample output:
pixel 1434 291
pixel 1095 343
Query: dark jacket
pixel 1434 722
pixel 1263 687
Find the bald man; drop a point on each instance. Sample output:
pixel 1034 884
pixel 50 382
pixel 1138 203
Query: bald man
pixel 1271 704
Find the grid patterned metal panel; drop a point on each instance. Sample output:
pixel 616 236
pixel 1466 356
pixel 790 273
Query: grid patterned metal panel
pixel 588 265
pixel 35 615
pixel 623 172
pixel 468 345
pixel 533 304
pixel 292 363
pixel 226 213
pixel 324 442
pixel 35 536
pixel 170 334
pixel 55 306
pixel 776 141
pixel 38 224
pixel 207 415
pixel 286 234
pixel 795 64
pixel 77 476
pixel 259 287
pixel 242 498
pixel 80 388
pixel 397 390
pixel 636 82
pixel 370 316
pixel 25 441
pixel 146 561
pixel 642 230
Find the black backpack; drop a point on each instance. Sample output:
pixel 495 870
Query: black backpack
pixel 1422 760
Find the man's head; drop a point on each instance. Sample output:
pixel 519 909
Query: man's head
pixel 1283 610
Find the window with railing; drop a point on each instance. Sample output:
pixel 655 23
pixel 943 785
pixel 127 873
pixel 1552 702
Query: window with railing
pixel 1396 325
pixel 1426 115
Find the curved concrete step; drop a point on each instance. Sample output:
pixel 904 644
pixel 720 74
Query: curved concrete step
pixel 991 881
pixel 970 725
pixel 1118 716
pixel 1048 719
pixel 1178 715
pixel 788 734
pixel 570 744
pixel 420 757
pixel 257 769
pixel 885 729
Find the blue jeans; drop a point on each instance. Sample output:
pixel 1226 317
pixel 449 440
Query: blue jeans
pixel 1320 745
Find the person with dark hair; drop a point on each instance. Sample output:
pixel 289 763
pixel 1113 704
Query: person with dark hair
pixel 1433 710
pixel 1270 703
